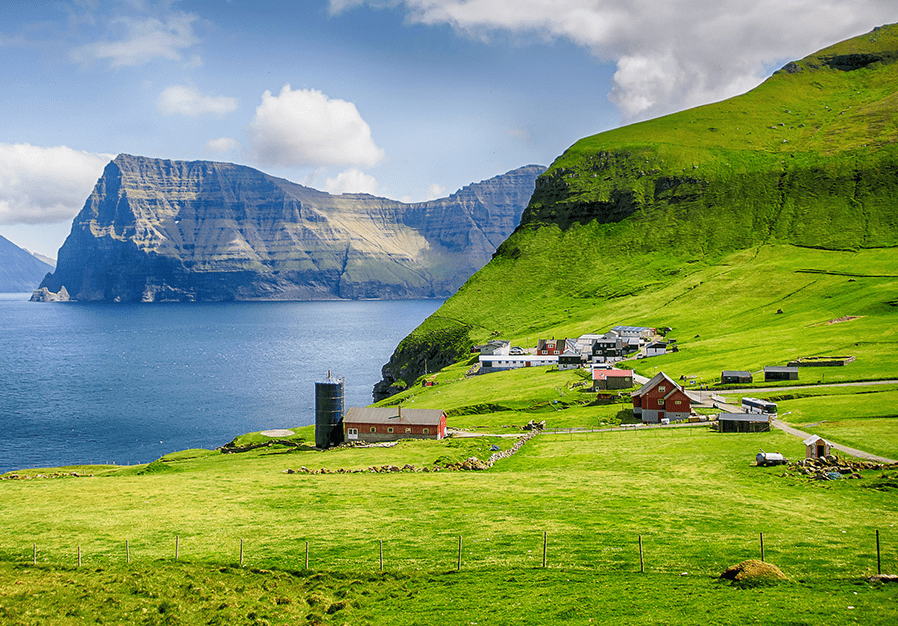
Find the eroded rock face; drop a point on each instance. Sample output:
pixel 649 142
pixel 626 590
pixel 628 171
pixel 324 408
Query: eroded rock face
pixel 158 230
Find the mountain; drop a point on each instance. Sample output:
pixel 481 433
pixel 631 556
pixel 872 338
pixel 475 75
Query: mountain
pixel 159 230
pixel 20 271
pixel 724 210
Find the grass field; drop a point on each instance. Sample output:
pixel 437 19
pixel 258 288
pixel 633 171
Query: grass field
pixel 692 495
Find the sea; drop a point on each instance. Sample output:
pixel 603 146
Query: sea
pixel 90 383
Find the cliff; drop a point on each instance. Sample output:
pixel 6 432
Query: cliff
pixel 20 271
pixel 808 160
pixel 159 230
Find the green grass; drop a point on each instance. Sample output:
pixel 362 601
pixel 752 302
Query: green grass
pixel 693 495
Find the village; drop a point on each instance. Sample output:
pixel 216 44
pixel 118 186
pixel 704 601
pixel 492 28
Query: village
pixel 657 401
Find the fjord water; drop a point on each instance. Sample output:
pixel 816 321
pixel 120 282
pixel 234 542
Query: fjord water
pixel 128 383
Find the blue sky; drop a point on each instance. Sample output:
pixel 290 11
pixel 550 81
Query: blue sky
pixel 409 99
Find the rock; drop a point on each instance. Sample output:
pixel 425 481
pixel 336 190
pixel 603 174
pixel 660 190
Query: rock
pixel 779 311
pixel 157 230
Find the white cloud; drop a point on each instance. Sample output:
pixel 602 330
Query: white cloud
pixel 669 55
pixel 222 145
pixel 305 128
pixel 186 100
pixel 143 39
pixel 45 185
pixel 434 191
pixel 352 181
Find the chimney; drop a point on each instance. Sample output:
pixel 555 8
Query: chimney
pixel 400 411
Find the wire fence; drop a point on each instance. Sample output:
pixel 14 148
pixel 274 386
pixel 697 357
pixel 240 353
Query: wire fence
pixel 856 555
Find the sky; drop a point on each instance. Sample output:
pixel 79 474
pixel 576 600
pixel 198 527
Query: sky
pixel 407 99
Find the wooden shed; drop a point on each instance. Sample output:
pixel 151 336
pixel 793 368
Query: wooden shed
pixel 730 377
pixel 393 423
pixel 816 447
pixel 780 372
pixel 743 423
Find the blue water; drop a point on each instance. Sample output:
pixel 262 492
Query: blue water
pixel 127 383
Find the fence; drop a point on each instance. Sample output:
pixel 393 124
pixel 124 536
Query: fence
pixel 651 553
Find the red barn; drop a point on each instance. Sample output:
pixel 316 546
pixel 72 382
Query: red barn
pixel 393 423
pixel 661 398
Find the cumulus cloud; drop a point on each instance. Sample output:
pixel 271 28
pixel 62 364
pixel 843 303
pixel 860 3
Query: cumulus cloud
pixel 669 55
pixel 45 185
pixel 305 128
pixel 186 100
pixel 352 181
pixel 222 145
pixel 141 39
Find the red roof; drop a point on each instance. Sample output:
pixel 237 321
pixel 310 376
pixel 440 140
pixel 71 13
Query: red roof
pixel 605 374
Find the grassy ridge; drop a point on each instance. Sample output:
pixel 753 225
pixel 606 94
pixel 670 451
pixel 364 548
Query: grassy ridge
pixel 720 209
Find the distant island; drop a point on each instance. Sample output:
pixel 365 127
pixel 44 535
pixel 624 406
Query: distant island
pixel 20 270
pixel 155 230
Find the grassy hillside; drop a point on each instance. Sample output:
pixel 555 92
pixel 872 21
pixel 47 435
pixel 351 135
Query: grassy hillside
pixel 692 495
pixel 709 220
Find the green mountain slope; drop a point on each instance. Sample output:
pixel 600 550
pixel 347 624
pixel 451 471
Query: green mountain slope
pixel 729 210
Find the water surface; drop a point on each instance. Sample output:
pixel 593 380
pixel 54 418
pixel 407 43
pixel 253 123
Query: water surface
pixel 127 383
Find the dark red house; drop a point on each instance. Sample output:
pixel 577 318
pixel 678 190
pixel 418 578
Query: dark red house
pixel 393 423
pixel 661 398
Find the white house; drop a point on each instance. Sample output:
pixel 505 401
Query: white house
pixel 499 363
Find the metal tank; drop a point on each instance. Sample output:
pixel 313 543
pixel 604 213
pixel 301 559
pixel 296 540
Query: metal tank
pixel 328 411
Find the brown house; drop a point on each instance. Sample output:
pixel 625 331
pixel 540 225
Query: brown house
pixel 393 423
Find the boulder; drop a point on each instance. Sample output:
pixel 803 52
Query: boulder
pixel 753 572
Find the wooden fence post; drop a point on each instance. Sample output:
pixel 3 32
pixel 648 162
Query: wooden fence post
pixel 241 552
pixel 128 550
pixel 381 555
pixel 79 556
pixel 545 546
pixel 762 547
pixel 34 554
pixel 641 561
pixel 878 562
pixel 307 555
pixel 458 565
pixel 177 545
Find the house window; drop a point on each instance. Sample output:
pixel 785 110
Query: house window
pixel 660 401
pixel 389 429
pixel 661 388
pixel 426 431
pixel 408 430
pixel 352 431
pixel 373 429
pixel 677 402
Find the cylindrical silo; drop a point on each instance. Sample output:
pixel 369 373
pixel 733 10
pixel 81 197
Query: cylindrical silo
pixel 328 410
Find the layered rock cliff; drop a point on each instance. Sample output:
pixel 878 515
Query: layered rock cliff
pixel 159 230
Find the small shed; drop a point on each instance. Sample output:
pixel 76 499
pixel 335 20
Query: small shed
pixel 735 377
pixel 780 372
pixel 603 380
pixel 743 423
pixel 374 424
pixel 816 447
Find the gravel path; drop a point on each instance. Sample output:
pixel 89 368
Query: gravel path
pixel 852 451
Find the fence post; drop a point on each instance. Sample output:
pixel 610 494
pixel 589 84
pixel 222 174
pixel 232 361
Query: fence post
pixel 34 554
pixel 641 561
pixel 878 562
pixel 545 546
pixel 381 555
pixel 762 547
pixel 177 545
pixel 241 552
pixel 458 566
pixel 128 550
pixel 79 556
pixel 307 555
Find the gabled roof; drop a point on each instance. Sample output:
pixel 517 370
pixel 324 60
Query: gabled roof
pixel 600 374
pixel 740 373
pixel 655 380
pixel 391 415
pixel 814 439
